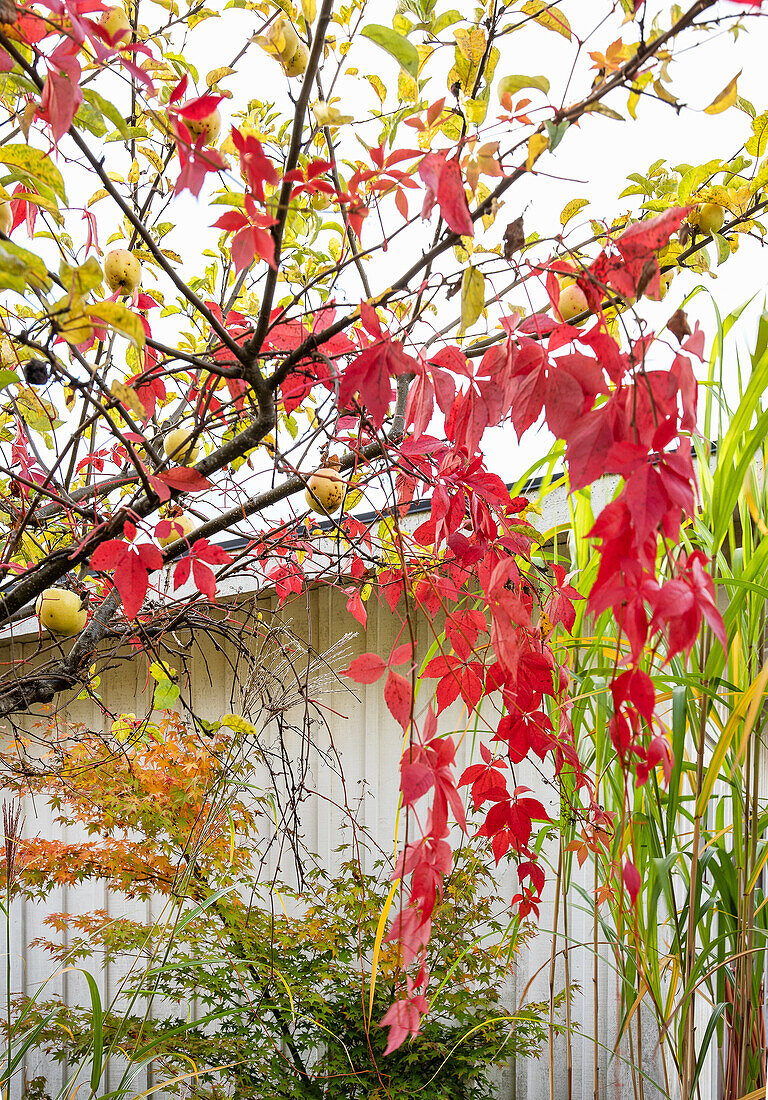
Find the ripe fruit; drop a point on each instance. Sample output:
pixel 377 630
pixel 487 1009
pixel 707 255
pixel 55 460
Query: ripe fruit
pixel 283 43
pixel 122 271
pixel 114 21
pixel 325 491
pixel 210 126
pixel 6 218
pixel 297 63
pixel 61 612
pixel 178 447
pixel 572 302
pixel 711 218
pixel 182 526
pixel 282 39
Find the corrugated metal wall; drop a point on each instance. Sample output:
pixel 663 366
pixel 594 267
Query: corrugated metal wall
pixel 368 743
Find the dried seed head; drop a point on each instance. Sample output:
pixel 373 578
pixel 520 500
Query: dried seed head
pixel 12 826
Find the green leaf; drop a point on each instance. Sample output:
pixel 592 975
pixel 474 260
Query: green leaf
pixel 514 84
pixel 33 164
pixel 107 109
pixel 20 268
pixel 230 198
pixel 39 414
pixel 404 52
pixel 120 318
pixel 8 378
pixel 601 109
pixel 97 1042
pixel 166 694
pixel 472 296
pixel 90 119
pixel 79 280
pixel 447 19
pixel 556 133
pixel 723 248
pixel 695 177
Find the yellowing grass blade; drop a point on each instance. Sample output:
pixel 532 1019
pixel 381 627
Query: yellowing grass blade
pixel 186 1077
pixel 756 873
pixel 745 711
pixel 377 944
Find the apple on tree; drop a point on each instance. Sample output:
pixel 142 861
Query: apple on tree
pixel 296 65
pixel 210 126
pixel 711 218
pixel 180 527
pixel 122 271
pixel 179 447
pixel 572 302
pixel 61 612
pixel 325 491
pixel 117 25
pixel 283 43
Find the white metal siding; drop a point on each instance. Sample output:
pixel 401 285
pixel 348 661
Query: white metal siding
pixel 368 742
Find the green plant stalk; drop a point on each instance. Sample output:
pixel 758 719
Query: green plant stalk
pixel 8 971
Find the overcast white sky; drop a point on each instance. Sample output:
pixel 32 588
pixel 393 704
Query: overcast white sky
pixel 593 161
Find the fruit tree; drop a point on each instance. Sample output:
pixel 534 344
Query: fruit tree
pixel 247 308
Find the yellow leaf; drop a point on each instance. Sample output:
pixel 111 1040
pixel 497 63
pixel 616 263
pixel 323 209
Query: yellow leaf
pixel 240 725
pixel 571 209
pixel 725 99
pixel 472 296
pixel 471 43
pixel 758 143
pixel 38 413
pixel 547 16
pixel 71 320
pixel 537 143
pixel 152 157
pixel 309 11
pixel 327 115
pixel 511 85
pixel 128 397
pixel 215 75
pixel 119 317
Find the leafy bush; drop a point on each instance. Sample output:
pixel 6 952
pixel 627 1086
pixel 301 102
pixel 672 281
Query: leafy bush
pixel 281 977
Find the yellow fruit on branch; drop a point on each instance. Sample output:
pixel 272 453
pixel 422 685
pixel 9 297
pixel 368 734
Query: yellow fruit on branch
pixel 122 271
pixel 572 302
pixel 297 64
pixel 115 22
pixel 711 218
pixel 210 126
pixel 665 281
pixel 282 40
pixel 325 491
pixel 61 612
pixel 6 218
pixel 182 526
pixel 179 447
